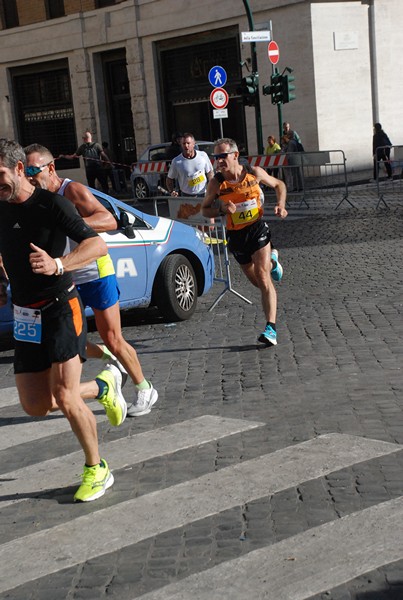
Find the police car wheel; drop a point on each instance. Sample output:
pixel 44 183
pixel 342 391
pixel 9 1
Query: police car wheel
pixel 176 288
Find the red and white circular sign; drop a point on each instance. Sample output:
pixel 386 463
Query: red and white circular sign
pixel 219 98
pixel 273 52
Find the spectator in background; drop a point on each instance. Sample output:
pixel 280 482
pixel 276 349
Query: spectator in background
pixel 272 148
pixel 292 171
pixel 291 133
pixel 107 165
pixel 380 152
pixel 92 154
pixel 176 146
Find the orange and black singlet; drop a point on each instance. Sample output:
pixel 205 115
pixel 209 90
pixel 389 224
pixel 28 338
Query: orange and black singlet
pixel 246 195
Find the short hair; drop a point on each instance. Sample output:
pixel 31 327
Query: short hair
pixel 42 150
pixel 11 153
pixel 378 127
pixel 231 143
pixel 186 135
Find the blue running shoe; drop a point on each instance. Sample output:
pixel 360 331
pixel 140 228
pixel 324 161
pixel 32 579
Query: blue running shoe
pixel 277 270
pixel 268 337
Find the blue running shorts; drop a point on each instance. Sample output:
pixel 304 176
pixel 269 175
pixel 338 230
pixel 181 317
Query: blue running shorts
pixel 101 293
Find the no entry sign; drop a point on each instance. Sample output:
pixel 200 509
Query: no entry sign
pixel 273 52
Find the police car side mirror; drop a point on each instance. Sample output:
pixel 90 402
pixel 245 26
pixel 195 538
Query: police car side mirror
pixel 127 227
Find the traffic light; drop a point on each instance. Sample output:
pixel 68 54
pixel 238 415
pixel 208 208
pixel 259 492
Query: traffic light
pixel 266 89
pixel 276 88
pixel 288 88
pixel 249 89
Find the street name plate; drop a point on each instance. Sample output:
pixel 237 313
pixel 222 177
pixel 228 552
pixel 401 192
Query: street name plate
pixel 256 36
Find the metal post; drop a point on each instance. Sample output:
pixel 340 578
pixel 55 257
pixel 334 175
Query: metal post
pixel 279 111
pixel 258 115
pixel 280 119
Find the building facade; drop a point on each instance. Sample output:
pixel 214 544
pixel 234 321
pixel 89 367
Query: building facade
pixel 135 71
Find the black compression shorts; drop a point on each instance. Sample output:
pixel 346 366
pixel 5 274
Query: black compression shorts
pixel 244 242
pixel 64 335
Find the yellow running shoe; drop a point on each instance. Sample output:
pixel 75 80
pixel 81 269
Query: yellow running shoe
pixel 96 480
pixel 113 400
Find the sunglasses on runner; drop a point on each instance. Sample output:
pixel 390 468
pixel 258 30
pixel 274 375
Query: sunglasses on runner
pixel 32 171
pixel 223 154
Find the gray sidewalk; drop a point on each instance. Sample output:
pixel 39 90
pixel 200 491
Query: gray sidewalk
pixel 337 370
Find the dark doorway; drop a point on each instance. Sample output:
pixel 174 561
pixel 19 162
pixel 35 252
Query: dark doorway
pixel 44 108
pixel 122 140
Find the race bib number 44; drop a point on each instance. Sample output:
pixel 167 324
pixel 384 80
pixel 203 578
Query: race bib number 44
pixel 246 212
pixel 27 324
pixel 198 177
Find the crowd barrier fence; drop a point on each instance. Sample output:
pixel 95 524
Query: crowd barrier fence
pixel 187 210
pixel 388 188
pixel 308 175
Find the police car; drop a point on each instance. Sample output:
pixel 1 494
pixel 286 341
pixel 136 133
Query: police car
pixel 158 262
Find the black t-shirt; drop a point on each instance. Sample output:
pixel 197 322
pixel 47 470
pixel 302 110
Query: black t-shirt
pixel 45 219
pixel 91 152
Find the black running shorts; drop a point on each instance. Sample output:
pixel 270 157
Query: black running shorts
pixel 244 242
pixel 64 335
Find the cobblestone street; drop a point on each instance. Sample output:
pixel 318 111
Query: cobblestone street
pixel 194 496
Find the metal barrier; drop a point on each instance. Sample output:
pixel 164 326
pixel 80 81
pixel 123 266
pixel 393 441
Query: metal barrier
pixel 187 210
pixel 389 159
pixel 309 175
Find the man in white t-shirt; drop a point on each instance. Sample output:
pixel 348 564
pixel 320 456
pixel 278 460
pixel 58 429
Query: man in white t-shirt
pixel 192 170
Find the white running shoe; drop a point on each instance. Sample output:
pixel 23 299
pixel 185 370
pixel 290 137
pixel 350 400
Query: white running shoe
pixel 145 400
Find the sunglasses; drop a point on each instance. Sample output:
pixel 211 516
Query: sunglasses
pixel 223 154
pixel 32 171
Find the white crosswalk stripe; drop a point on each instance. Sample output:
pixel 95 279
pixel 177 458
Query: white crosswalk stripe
pixel 36 429
pixel 315 560
pixel 9 397
pixel 66 470
pixel 175 506
pixel 303 565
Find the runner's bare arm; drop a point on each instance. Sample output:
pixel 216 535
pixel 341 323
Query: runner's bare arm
pixel 92 211
pixel 211 203
pixel 278 186
pixel 85 252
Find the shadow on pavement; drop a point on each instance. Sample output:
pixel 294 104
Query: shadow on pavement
pixel 394 593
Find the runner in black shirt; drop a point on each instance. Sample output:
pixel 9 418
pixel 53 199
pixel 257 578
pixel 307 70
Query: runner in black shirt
pixel 49 323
